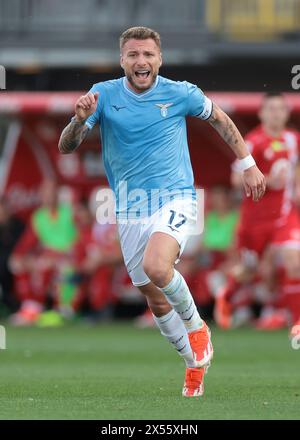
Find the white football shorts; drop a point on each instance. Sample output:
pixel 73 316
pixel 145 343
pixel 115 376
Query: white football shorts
pixel 177 218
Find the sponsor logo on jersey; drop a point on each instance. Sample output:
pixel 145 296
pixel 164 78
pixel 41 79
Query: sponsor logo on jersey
pixel 116 107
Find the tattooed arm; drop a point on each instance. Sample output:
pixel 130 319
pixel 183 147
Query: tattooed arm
pixel 253 179
pixel 72 136
pixel 228 131
pixel 76 131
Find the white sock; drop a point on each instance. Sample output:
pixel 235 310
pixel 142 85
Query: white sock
pixel 171 326
pixel 179 296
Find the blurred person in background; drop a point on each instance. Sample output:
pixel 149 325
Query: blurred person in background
pixel 144 144
pixel 11 229
pixel 297 188
pixel 42 258
pixel 270 230
pixel 206 260
pixel 97 258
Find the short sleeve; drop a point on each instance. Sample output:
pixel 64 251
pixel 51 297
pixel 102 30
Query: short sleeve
pixel 199 105
pixel 94 118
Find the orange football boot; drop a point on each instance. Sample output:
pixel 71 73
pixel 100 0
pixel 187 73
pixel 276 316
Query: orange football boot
pixel 194 382
pixel 201 346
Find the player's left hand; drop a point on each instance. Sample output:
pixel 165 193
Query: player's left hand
pixel 254 183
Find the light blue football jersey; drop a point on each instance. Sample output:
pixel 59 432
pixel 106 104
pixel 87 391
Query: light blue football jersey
pixel 144 141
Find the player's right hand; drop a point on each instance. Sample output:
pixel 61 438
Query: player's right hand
pixel 86 105
pixel 254 183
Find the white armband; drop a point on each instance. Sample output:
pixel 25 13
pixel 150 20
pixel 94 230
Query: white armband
pixel 246 163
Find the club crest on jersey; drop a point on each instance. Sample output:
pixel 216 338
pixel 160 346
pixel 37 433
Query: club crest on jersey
pixel 164 108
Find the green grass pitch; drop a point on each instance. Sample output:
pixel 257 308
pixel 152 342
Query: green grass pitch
pixel 116 371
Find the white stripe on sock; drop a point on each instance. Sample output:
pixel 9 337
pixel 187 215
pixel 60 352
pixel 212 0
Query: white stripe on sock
pixel 179 296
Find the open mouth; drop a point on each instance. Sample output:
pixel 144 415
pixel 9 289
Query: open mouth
pixel 142 74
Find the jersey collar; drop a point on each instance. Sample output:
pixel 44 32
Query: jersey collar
pixel 139 95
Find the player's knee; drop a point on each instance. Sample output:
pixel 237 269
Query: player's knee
pixel 157 270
